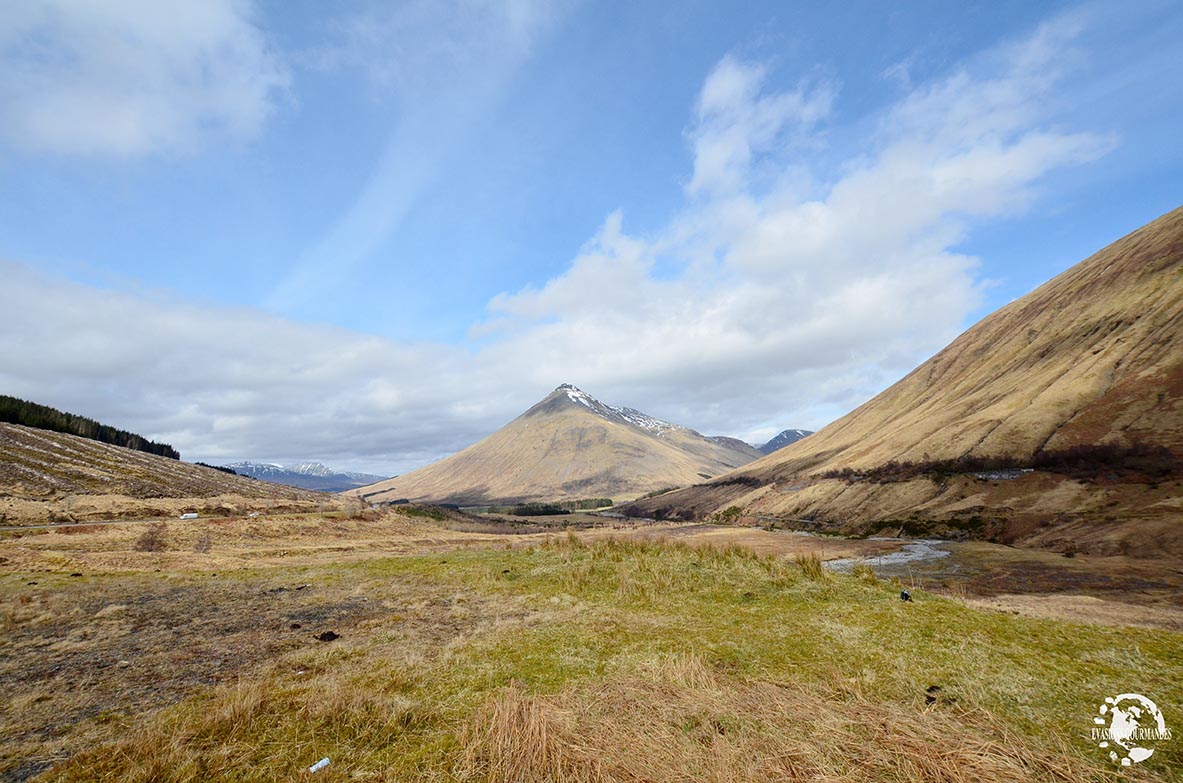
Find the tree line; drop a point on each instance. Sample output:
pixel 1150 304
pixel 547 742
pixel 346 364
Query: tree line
pixel 553 508
pixel 222 468
pixel 43 417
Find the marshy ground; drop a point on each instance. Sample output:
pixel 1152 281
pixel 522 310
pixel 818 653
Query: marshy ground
pixel 613 653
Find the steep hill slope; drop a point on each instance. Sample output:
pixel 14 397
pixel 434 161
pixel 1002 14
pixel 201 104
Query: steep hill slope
pixel 570 445
pixel 1093 358
pixel 45 474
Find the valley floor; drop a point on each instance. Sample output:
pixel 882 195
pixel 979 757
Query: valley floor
pixel 630 653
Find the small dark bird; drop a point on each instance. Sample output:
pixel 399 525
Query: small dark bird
pixel 905 595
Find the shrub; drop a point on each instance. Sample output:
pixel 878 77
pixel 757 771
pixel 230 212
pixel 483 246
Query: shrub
pixel 730 515
pixel 431 512
pixel 152 539
pixel 538 510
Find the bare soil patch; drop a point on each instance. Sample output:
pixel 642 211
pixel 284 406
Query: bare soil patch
pixel 78 649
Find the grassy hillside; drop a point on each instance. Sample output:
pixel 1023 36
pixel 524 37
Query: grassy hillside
pixel 38 463
pixel 626 661
pixel 51 476
pixel 1090 359
pixel 1092 356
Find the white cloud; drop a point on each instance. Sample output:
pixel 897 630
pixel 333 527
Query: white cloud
pixel 780 295
pixel 736 123
pixel 225 384
pixel 133 77
pixel 416 49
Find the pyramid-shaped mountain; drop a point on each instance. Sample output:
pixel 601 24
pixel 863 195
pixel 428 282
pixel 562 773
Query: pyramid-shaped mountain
pixel 1057 420
pixel 569 446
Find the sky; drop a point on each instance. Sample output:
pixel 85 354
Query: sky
pixel 371 233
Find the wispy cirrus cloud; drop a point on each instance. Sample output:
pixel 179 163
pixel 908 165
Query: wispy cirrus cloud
pixel 441 65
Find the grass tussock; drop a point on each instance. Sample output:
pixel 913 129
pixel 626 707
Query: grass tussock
pixel 811 566
pixel 253 730
pixel 864 573
pixel 681 720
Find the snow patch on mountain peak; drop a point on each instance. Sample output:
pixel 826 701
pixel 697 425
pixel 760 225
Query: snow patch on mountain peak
pixel 629 416
pixel 310 469
pixel 576 394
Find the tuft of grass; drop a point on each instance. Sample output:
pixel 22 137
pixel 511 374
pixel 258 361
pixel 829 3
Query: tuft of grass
pixel 864 573
pixel 246 724
pixel 811 566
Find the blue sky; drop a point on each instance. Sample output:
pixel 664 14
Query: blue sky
pixel 372 233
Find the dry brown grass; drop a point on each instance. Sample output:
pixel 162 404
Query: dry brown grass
pixel 38 464
pixel 811 565
pixel 679 720
pixel 74 509
pixel 865 573
pixel 223 740
pixel 234 542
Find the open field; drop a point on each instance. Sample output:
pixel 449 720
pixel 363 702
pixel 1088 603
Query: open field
pixel 654 653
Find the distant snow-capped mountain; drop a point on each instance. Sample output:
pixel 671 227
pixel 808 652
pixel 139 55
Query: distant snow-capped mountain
pixel 309 475
pixel 311 469
pixel 783 439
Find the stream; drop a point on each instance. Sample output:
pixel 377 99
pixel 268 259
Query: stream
pixel 912 552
